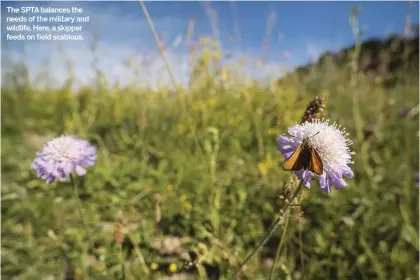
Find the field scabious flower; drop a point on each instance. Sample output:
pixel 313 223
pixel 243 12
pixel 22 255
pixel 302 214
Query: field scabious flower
pixel 332 145
pixel 63 155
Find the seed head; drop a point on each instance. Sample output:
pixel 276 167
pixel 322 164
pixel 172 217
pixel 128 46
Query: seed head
pixel 314 109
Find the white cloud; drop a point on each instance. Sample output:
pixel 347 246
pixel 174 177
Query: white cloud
pixel 114 61
pixel 111 59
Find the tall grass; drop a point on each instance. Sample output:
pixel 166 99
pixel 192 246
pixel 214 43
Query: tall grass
pixel 182 211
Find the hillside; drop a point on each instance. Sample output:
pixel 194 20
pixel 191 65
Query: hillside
pixel 392 58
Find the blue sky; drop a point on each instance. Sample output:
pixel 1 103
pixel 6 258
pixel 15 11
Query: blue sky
pixel 299 31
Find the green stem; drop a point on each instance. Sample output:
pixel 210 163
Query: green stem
pixel 122 262
pixel 301 183
pixel 159 45
pixel 284 231
pixel 76 193
pixel 271 231
pixel 262 242
pixel 191 124
pixel 280 246
pixel 139 254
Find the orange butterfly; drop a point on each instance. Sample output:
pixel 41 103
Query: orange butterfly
pixel 305 157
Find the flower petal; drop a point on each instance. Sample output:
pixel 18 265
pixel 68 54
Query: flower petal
pixel 50 179
pixel 287 145
pixel 80 170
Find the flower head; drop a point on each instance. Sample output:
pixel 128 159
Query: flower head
pixel 63 155
pixel 172 267
pixel 331 143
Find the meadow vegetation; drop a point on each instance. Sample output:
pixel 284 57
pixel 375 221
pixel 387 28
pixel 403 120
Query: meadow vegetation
pixel 187 181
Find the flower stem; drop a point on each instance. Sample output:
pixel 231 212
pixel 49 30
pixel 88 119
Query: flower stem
pixel 139 254
pixel 284 231
pixel 301 252
pixel 171 75
pixel 76 193
pixel 122 262
pixel 271 231
pixel 280 246
pixel 301 183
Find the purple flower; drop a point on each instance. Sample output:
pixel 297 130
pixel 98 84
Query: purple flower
pixel 63 155
pixel 331 143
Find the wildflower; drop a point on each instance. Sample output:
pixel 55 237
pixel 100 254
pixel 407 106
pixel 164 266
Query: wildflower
pixel 331 143
pixel 63 155
pixel 172 267
pixel 77 273
pixel 187 206
pixel 154 266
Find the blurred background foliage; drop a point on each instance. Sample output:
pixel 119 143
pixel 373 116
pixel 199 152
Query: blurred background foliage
pixel 187 181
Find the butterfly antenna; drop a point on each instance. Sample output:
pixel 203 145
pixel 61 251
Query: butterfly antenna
pixel 314 135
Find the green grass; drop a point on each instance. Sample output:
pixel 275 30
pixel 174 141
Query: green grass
pixel 201 169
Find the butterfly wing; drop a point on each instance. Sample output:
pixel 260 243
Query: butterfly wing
pixel 315 164
pixel 294 162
